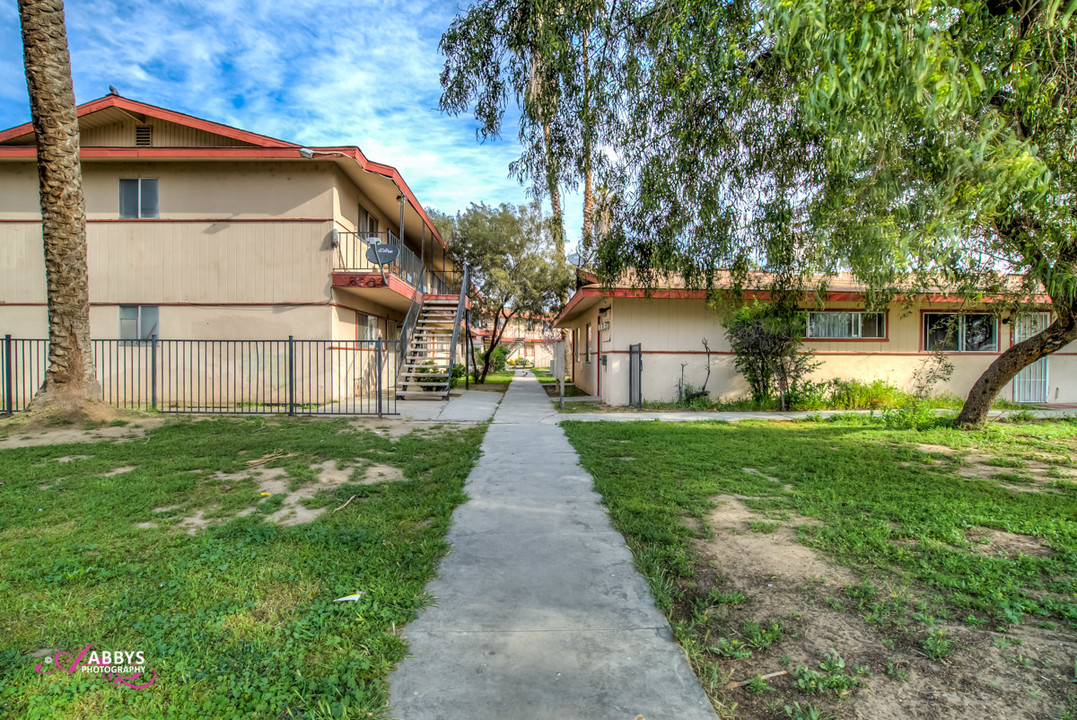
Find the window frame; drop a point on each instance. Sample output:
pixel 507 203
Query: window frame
pixel 138 201
pixel 587 346
pixel 885 318
pixel 143 337
pixel 960 332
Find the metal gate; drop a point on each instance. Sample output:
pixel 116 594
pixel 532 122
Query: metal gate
pixel 635 375
pixel 1030 384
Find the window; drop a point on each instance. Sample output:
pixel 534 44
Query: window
pixel 846 325
pixel 138 198
pixel 368 224
pixel 587 347
pixel 960 332
pixel 138 322
pixel 366 327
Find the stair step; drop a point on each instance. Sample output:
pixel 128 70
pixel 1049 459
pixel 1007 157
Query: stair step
pixel 419 395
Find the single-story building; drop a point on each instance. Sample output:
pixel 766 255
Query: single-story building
pixel 665 328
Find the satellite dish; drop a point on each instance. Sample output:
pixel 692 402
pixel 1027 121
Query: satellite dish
pixel 574 258
pixel 382 254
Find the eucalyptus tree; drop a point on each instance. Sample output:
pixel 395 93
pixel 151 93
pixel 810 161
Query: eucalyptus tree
pixel 920 146
pixel 69 384
pixel 537 55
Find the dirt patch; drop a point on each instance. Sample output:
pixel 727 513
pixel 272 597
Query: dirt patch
pixel 988 541
pixel 381 426
pixel 776 557
pixel 382 473
pixel 275 481
pixel 71 435
pixel 194 523
pixel 73 458
pixel 118 471
pixel 753 471
pixel 1026 670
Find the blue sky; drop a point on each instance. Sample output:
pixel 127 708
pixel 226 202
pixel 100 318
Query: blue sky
pixel 325 72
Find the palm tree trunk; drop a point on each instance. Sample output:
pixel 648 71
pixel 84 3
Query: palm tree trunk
pixel 69 380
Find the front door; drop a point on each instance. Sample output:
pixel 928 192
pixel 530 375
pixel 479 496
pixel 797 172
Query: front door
pixel 1030 384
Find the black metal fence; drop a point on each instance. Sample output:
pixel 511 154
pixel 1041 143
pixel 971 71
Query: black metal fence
pixel 308 377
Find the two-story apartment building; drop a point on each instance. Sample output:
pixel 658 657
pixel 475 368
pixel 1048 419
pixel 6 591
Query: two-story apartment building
pixel 198 230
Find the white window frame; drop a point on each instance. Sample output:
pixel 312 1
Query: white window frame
pixel 138 204
pixel 859 324
pixel 144 334
pixel 587 346
pixel 961 336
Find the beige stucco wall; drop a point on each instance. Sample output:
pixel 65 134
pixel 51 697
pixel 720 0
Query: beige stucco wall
pixel 209 189
pixel 249 243
pixel 257 322
pixel 670 332
pixel 154 262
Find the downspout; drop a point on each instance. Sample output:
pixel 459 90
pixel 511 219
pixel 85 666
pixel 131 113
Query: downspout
pixel 598 358
pixel 422 259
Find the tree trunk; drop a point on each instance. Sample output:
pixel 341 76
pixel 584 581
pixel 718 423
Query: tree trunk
pixel 588 189
pixel 558 219
pixel 1057 335
pixel 70 385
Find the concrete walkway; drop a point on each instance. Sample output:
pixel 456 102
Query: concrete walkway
pixel 468 406
pixel 539 612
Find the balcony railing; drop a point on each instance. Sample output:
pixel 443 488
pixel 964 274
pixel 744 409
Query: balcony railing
pixel 351 257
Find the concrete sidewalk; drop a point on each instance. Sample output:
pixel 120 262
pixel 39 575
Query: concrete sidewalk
pixel 539 611
pixel 468 406
pixel 730 416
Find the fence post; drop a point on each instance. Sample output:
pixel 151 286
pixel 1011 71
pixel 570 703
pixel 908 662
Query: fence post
pixel 153 372
pixel 9 401
pixel 291 375
pixel 377 359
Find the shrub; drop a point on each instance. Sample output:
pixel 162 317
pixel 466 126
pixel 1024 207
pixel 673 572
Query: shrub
pixel 498 358
pixel 459 370
pixel 933 370
pixel 767 350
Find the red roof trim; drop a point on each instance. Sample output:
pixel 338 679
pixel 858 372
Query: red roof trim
pixel 680 294
pixel 110 101
pixel 262 142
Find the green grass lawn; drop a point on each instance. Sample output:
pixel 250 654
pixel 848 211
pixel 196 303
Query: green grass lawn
pixel 546 377
pixel 910 511
pixel 238 619
pixel 500 378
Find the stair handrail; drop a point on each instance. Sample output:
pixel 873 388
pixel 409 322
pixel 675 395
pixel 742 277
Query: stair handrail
pixel 409 324
pixel 460 305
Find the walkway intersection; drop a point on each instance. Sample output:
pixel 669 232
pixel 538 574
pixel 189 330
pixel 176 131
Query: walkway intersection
pixel 539 612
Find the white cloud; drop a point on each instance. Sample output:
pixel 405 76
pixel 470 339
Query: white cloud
pixel 326 72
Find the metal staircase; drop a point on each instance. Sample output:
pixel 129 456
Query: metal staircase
pixel 426 369
pixel 514 346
